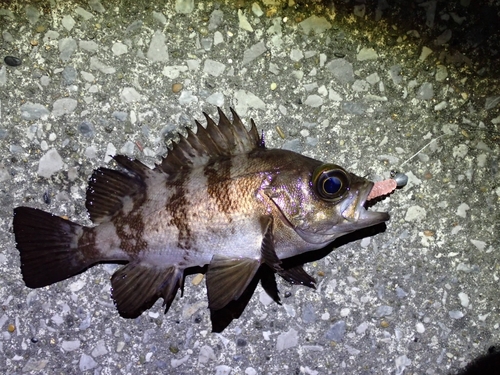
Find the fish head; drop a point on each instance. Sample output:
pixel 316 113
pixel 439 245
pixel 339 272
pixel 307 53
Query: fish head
pixel 323 202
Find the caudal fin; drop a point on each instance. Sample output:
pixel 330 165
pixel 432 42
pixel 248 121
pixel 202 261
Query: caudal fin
pixel 48 246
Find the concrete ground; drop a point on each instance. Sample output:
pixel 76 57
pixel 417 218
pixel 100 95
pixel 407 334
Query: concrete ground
pixel 371 86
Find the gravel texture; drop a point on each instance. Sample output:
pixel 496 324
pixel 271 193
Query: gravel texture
pixel 408 86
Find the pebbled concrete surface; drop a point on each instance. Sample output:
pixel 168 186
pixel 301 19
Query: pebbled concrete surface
pixel 411 86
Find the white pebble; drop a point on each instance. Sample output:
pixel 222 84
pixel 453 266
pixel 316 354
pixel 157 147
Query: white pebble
pixel 462 210
pixel 420 327
pixel 415 213
pixel 464 299
pixel 50 163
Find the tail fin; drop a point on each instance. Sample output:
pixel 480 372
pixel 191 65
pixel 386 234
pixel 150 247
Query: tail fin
pixel 48 246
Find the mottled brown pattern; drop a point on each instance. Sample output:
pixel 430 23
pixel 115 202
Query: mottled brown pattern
pixel 131 240
pixel 88 246
pixel 177 207
pixel 219 185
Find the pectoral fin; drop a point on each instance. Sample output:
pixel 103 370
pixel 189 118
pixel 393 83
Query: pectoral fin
pixel 137 286
pixel 297 275
pixel 267 250
pixel 227 279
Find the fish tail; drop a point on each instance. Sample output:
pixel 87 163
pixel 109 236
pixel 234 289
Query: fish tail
pixel 48 246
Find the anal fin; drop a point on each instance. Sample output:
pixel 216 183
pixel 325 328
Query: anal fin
pixel 227 279
pixel 136 287
pixel 297 275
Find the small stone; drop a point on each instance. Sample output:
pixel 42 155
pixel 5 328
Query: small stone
pixel 86 129
pixel 63 106
pixel 443 38
pixel 420 327
pixel 3 76
pixel 119 115
pixel 354 108
pixel 103 68
pixel 50 163
pixel 32 14
pixel 12 60
pixel 336 332
pixel 415 213
pixel 69 75
pixel 213 68
pixel 480 245
pixel 184 6
pixel 216 18
pixel 296 55
pixel 491 102
pixel 89 77
pixel 243 21
pixel 218 38
pixel 160 17
pixel 247 99
pixel 464 299
pixel 441 73
pixel 216 99
pixel 253 52
pixel 456 314
pixel 222 370
pixel 367 54
pixel 69 346
pixel 119 49
pixel 100 349
pixel 206 354
pixel 383 310
pixel 34 111
pixel 314 101
pixel 373 78
pixel 308 314
pixel 462 210
pixel 257 10
pixel 287 340
pixel 66 48
pixel 187 98
pixel 87 362
pixel 400 292
pixel 197 279
pixel 157 51
pixel 83 13
pixel 426 51
pixel 342 70
pixel 176 87
pixel 68 22
pixel 88 45
pixel 315 24
pixel 426 91
pixel 96 5
pixel 130 95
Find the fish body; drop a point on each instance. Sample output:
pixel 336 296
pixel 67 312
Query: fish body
pixel 219 199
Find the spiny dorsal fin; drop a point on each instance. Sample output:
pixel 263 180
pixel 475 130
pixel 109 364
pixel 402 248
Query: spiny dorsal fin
pixel 213 141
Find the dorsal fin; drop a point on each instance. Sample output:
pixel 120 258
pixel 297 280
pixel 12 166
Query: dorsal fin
pixel 213 141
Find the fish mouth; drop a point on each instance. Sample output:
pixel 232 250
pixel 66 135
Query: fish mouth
pixel 366 216
pixel 357 212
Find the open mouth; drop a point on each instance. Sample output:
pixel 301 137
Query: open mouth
pixel 379 190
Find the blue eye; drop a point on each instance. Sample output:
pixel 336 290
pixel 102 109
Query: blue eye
pixel 330 182
pixel 332 185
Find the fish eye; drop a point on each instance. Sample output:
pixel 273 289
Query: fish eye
pixel 330 182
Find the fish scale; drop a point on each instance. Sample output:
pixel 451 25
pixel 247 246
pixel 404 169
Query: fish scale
pixel 219 200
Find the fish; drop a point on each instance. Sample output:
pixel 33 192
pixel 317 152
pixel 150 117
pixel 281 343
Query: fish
pixel 219 201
